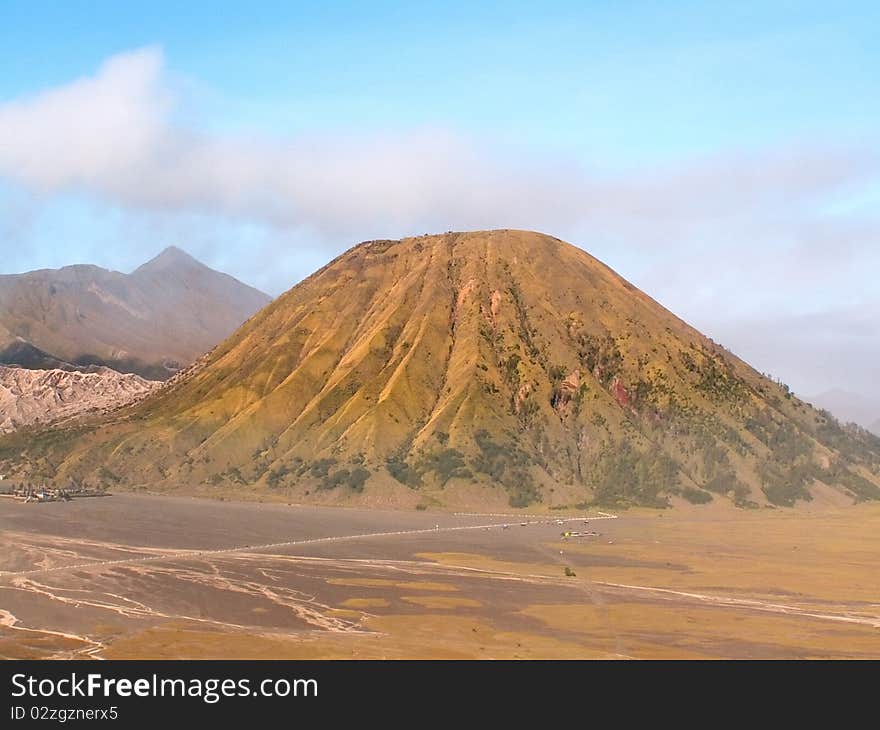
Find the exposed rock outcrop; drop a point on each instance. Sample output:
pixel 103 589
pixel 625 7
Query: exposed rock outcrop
pixel 48 396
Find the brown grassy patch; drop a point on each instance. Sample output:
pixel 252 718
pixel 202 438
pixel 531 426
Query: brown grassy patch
pixel 365 603
pixel 435 602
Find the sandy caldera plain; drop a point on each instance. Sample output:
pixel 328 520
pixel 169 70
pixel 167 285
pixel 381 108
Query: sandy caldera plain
pixel 136 576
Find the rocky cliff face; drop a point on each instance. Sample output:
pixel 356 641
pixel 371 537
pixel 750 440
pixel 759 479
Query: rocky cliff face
pixel 30 397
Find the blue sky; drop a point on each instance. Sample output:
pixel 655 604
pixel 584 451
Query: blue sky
pixel 723 156
pixel 621 81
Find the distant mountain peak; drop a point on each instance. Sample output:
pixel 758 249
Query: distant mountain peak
pixel 165 314
pixel 173 251
pixel 171 257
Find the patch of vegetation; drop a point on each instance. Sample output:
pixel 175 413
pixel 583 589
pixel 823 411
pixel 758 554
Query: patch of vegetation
pixel 391 334
pixel 724 482
pixel 331 482
pixel 641 392
pixel 861 488
pixel 557 374
pixel 580 397
pixel 718 474
pixel 354 479
pixel 510 370
pixel 784 485
pixel 600 355
pixel 854 443
pixel 696 496
pixel 233 474
pixel 321 468
pixel 525 332
pixel 275 477
pixel 507 465
pixel 446 464
pixel 336 398
pixel 491 336
pixel 526 412
pixel 624 476
pixel 714 377
pixel 106 476
pixel 403 472
pixel 357 478
pixel 34 442
pixel 783 439
pixel 788 444
pixel 521 489
pixel 569 573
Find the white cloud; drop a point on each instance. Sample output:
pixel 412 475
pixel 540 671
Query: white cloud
pixel 115 134
pixel 92 133
pixel 721 240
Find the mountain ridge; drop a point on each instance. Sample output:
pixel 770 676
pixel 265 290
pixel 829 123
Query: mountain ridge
pixel 151 322
pixel 488 368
